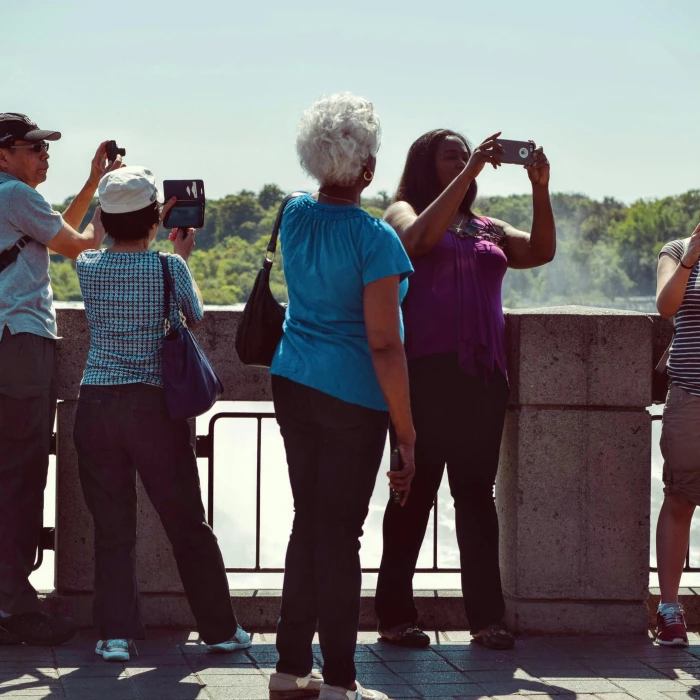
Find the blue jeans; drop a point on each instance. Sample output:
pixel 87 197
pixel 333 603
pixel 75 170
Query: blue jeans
pixel 334 449
pixel 121 430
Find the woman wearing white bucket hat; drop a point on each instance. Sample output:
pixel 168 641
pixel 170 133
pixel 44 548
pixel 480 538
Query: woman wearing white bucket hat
pixel 122 426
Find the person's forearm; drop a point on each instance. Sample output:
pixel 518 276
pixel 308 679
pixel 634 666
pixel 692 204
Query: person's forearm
pixel 75 213
pixel 430 226
pixel 392 373
pixel 671 296
pixel 543 237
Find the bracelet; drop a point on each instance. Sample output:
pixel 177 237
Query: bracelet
pixel 680 262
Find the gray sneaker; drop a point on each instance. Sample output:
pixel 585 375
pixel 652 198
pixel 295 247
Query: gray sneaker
pixel 285 686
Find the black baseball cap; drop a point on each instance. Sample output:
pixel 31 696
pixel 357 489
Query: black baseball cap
pixel 19 127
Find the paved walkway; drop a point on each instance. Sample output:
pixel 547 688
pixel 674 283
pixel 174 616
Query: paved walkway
pixel 173 666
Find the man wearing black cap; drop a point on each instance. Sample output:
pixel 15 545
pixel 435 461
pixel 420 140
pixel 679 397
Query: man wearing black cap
pixel 29 228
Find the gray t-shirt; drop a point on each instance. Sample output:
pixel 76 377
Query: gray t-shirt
pixel 26 299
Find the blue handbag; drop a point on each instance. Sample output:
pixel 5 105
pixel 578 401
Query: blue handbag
pixel 191 385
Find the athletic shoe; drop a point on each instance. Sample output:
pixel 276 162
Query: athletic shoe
pixel 670 626
pixel 405 635
pixel 285 686
pixel 334 692
pixel 113 649
pixel 37 628
pixel 240 640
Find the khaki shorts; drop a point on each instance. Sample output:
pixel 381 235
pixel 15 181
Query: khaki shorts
pixel 680 444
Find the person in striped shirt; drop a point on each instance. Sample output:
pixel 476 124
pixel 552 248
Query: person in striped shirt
pixel 678 297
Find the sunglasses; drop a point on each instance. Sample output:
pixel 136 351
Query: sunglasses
pixel 35 147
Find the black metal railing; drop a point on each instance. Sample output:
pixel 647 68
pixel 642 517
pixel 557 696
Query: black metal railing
pixel 208 451
pixel 205 449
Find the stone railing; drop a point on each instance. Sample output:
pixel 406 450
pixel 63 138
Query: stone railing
pixel 572 491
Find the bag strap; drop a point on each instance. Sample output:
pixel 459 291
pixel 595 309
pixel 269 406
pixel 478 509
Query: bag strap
pixel 10 255
pixel 168 289
pixel 272 245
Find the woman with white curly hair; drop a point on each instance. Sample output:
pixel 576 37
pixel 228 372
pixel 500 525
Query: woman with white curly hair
pixel 338 375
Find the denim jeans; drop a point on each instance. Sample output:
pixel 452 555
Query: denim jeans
pixel 334 449
pixel 459 423
pixel 119 431
pixel 27 412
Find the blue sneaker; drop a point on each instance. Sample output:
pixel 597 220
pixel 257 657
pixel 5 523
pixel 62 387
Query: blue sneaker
pixel 114 649
pixel 240 640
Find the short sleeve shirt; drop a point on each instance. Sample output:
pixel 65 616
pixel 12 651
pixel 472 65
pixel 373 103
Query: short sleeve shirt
pixel 684 361
pixel 330 254
pixel 123 294
pixel 26 299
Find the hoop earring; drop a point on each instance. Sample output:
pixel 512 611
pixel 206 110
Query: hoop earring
pixel 371 175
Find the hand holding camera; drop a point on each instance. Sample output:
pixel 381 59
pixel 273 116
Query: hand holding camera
pixel 103 164
pixel 489 151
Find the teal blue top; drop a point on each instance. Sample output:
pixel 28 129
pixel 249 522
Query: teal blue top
pixel 330 254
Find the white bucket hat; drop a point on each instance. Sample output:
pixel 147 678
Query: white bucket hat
pixel 127 189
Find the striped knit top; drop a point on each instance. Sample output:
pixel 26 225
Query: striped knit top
pixel 684 361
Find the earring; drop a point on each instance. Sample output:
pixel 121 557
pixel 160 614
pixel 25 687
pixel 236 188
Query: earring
pixel 371 175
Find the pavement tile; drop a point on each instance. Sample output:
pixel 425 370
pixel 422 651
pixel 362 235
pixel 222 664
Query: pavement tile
pixel 552 675
pixel 98 688
pixel 369 680
pixel 229 681
pixel 545 663
pixel 194 693
pixel 47 675
pixel 631 674
pixel 419 666
pixel 594 685
pixel 38 694
pixel 518 688
pixel 179 670
pixel 613 663
pixel 394 691
pixel 222 693
pixel 482 664
pixel 231 671
pixel 428 678
pixel 645 689
pixel 614 696
pixel 101 670
pixel 499 676
pixel 449 690
pixel 397 654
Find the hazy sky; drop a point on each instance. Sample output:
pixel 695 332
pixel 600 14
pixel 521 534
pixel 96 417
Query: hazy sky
pixel 213 90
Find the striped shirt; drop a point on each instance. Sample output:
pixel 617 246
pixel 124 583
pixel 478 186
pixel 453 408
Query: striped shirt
pixel 123 294
pixel 684 361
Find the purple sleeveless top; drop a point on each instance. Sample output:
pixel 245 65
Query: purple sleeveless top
pixel 454 302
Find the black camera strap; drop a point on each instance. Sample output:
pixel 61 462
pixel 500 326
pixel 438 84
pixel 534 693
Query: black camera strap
pixel 10 255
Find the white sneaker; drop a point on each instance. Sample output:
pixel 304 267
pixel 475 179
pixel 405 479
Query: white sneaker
pixel 334 692
pixel 113 649
pixel 240 640
pixel 285 686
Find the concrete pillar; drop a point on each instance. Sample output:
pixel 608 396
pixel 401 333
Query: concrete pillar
pixel 574 480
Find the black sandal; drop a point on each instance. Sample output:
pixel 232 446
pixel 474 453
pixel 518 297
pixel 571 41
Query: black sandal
pixel 411 637
pixel 494 637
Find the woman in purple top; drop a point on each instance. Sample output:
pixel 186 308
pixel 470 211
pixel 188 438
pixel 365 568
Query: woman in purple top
pixel 457 369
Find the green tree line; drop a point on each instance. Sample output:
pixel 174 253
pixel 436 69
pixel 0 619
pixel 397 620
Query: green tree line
pixel 606 250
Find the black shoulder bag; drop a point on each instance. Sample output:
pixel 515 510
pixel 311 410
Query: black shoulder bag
pixel 260 329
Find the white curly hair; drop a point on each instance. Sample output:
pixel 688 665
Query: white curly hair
pixel 336 137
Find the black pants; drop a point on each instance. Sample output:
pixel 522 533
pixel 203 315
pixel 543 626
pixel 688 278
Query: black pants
pixel 120 430
pixel 459 422
pixel 334 450
pixel 27 412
